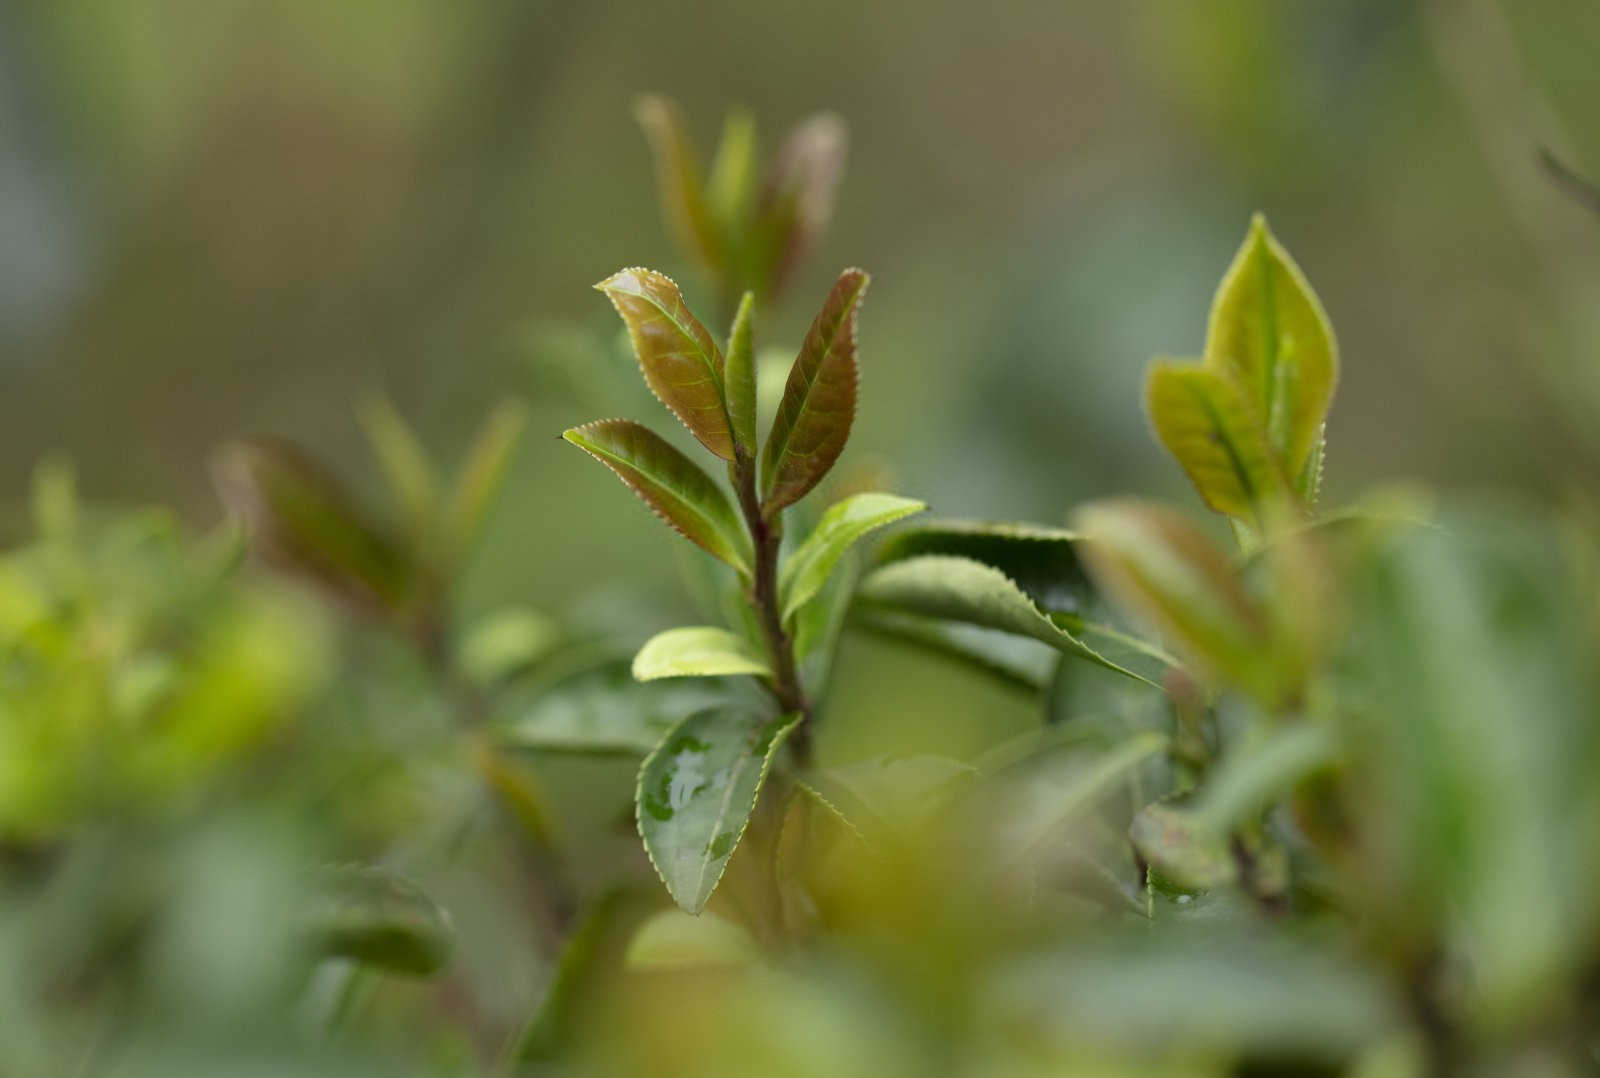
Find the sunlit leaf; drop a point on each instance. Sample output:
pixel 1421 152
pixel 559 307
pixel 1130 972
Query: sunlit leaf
pixel 674 940
pixel 1269 333
pixel 406 464
pixel 798 200
pixel 1216 434
pixel 374 916
pixel 683 199
pixel 960 589
pixel 299 516
pixel 681 362
pixel 819 401
pixel 741 377
pixel 845 522
pixel 1171 576
pixel 670 483
pixel 696 792
pixel 481 475
pixel 698 651
pixel 1040 559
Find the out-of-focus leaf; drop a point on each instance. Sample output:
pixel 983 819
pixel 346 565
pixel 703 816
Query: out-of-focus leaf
pixel 670 483
pixel 683 199
pixel 819 400
pixel 681 362
pixel 600 708
pixel 674 940
pixel 1041 560
pixel 741 377
pixel 731 190
pixel 1168 573
pixel 481 476
pixel 1253 774
pixel 1179 851
pixel 374 916
pixel 1067 796
pixel 698 651
pixel 405 463
pixel 1269 334
pixel 1216 434
pixel 818 626
pixel 798 200
pixel 54 494
pixel 808 568
pixel 505 642
pixel 960 589
pixel 299 516
pixel 1018 661
pixel 884 798
pixel 696 792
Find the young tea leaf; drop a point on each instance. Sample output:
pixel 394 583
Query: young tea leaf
pixel 681 363
pixel 696 792
pixel 741 377
pixel 670 483
pixel 698 651
pixel 732 186
pixel 960 589
pixel 683 200
pixel 845 522
pixel 1214 431
pixel 819 402
pixel 1170 575
pixel 1268 333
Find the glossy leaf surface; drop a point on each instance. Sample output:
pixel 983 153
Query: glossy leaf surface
pixel 960 589
pixel 1040 559
pixel 696 792
pixel 698 651
pixel 819 401
pixel 670 483
pixel 741 376
pixel 1269 333
pixel 681 362
pixel 1215 432
pixel 846 521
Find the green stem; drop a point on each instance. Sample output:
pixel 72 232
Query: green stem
pixel 766 535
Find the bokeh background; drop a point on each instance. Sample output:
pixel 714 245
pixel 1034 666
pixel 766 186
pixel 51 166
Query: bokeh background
pixel 237 217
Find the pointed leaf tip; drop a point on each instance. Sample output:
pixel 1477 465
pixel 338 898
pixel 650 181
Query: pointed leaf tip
pixel 680 361
pixel 741 376
pixel 819 401
pixel 670 483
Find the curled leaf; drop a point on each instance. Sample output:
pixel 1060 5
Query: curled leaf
pixel 681 363
pixel 819 401
pixel 670 483
pixel 697 651
pixel 841 526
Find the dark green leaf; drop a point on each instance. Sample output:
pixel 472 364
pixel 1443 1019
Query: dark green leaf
pixel 696 792
pixel 681 363
pixel 819 400
pixel 698 651
pixel 374 916
pixel 846 521
pixel 670 483
pixel 1268 333
pixel 960 589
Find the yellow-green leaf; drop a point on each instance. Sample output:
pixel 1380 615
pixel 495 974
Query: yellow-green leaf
pixel 732 187
pixel 683 199
pixel 741 377
pixel 1215 433
pixel 481 475
pixel 681 363
pixel 819 400
pixel 406 464
pixel 698 651
pixel 845 522
pixel 1268 332
pixel 670 483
